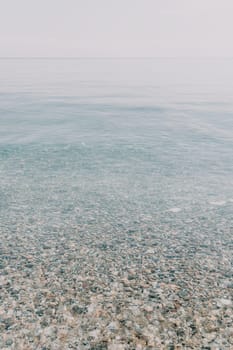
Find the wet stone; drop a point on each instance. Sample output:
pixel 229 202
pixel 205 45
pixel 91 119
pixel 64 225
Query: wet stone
pixel 9 342
pixel 100 346
pixel 39 312
pixel 29 265
pixel 8 323
pixel 78 310
pixel 171 347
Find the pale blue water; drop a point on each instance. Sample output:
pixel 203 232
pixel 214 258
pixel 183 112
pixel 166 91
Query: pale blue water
pixel 116 144
pixel 116 190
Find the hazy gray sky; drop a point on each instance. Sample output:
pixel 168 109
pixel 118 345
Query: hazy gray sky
pixel 116 28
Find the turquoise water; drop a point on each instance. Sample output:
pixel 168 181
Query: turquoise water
pixel 116 145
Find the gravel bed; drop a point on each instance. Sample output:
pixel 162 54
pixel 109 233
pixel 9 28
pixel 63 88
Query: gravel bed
pixel 91 287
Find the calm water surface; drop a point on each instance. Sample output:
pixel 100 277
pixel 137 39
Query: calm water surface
pixel 116 144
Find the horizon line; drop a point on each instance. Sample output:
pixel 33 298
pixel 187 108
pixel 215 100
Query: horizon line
pixel 112 57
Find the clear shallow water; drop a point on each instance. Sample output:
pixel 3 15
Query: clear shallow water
pixel 116 144
pixel 116 204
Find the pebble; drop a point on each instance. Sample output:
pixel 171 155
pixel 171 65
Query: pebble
pixel 90 287
pixel 224 302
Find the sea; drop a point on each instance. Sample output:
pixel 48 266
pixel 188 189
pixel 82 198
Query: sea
pixel 116 145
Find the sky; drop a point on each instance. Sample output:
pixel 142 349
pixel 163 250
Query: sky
pixel 116 28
